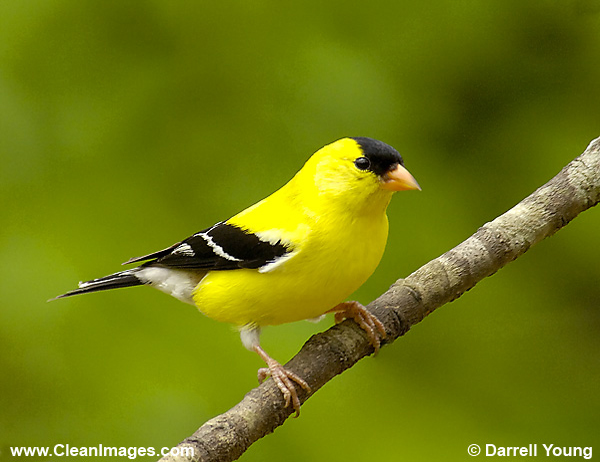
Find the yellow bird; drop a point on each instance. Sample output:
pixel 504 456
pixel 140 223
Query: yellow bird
pixel 295 255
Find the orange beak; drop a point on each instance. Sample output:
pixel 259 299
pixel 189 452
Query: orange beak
pixel 399 179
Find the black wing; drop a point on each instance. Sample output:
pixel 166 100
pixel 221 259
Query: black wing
pixel 221 247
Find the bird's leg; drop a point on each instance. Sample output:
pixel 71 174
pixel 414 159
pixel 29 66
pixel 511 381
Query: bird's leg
pixel 283 378
pixel 367 322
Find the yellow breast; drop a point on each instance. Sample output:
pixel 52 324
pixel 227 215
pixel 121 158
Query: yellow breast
pixel 322 272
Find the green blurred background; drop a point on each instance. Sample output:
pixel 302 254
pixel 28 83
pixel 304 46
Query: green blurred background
pixel 126 126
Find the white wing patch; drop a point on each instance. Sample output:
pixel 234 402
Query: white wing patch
pixel 184 249
pixel 217 249
pixel 274 237
pixel 276 263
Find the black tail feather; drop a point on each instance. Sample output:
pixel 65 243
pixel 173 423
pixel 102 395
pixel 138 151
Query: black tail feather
pixel 112 281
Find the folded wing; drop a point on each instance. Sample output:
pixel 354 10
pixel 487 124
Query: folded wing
pixel 221 247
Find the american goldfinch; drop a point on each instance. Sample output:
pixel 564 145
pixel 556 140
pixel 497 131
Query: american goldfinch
pixel 295 255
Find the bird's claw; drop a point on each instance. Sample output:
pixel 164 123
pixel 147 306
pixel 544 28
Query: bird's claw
pixel 368 322
pixel 284 379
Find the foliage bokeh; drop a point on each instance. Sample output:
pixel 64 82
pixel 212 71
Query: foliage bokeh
pixel 126 126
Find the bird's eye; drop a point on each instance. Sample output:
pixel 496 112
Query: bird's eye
pixel 362 163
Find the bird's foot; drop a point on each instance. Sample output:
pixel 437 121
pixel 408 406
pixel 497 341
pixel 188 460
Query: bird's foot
pixel 367 321
pixel 284 379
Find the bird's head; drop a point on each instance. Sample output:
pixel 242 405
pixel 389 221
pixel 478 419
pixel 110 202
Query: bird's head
pixel 359 169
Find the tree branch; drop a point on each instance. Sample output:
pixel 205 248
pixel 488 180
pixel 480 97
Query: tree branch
pixel 575 189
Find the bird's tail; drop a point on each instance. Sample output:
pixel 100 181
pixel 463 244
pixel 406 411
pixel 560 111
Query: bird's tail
pixel 125 278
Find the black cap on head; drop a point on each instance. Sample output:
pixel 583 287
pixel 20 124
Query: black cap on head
pixel 383 157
